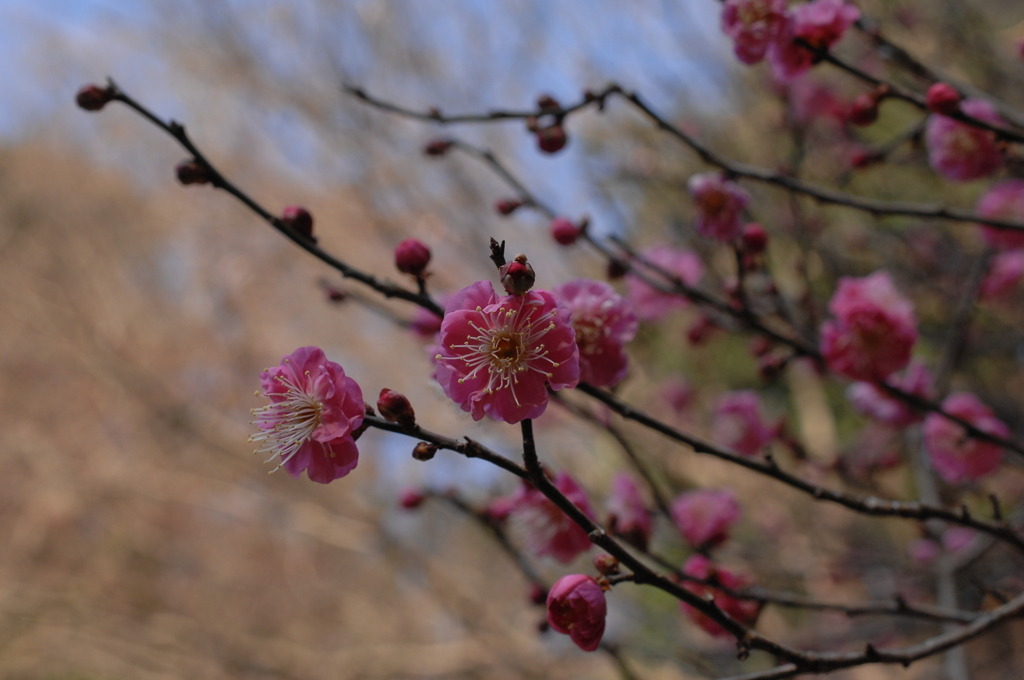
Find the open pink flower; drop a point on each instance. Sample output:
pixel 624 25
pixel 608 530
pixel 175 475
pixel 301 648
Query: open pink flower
pixel 744 611
pixel 874 329
pixel 737 423
pixel 652 304
pixel 314 408
pixel 577 608
pixel 705 516
pixel 962 152
pixel 604 322
pixel 628 515
pixel 955 455
pixel 820 24
pixel 543 528
pixel 1003 201
pixel 720 203
pixel 497 356
pixel 876 403
pixel 752 25
pixel 1004 273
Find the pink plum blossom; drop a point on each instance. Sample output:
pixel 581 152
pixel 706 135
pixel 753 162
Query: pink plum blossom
pixel 628 515
pixel 810 99
pixel 705 516
pixel 737 423
pixel 577 608
pixel 314 408
pixel 678 393
pixel 874 330
pixel 955 455
pixel 720 203
pixel 543 527
pixel 876 403
pixel 652 304
pixel 604 322
pixel 744 611
pixel 752 25
pixel 962 152
pixel 497 356
pixel 820 24
pixel 1004 273
pixel 923 550
pixel 1003 201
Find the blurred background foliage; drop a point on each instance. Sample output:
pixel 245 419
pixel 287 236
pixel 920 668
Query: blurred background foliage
pixel 139 537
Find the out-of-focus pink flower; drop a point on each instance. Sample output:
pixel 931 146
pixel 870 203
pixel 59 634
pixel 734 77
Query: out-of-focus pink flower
pixel 628 515
pixel 604 322
pixel 577 608
pixel 962 152
pixel 880 405
pixel 873 332
pixel 923 550
pixel 314 408
pixel 499 508
pixel 1004 273
pixel 543 528
pixel 752 25
pixel 955 455
pixel 1003 201
pixel 744 611
pixel 738 424
pixel 820 24
pixel 955 539
pixel 678 393
pixel 497 356
pixel 651 304
pixel 810 99
pixel 705 516
pixel 720 203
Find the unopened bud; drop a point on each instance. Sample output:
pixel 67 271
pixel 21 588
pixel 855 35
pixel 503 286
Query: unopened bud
pixel 299 219
pixel 424 451
pixel 334 294
pixel 412 257
pixel 754 239
pixel 538 594
pixel 411 499
pixel 564 231
pixel 93 97
pixel 943 98
pixel 552 138
pixel 437 147
pixel 760 345
pixel 862 158
pixel 546 102
pixel 617 268
pixel 507 206
pixel 517 276
pixel 192 172
pixel 700 330
pixel 863 110
pixel 395 407
pixel 606 564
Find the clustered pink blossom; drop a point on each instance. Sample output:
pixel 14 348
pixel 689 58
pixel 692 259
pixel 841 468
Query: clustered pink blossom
pixel 963 152
pixel 876 403
pixel 955 455
pixel 738 424
pixel 744 611
pixel 1004 273
pixel 1003 201
pixel 314 408
pixel 543 527
pixel 720 203
pixel 652 304
pixel 819 24
pixel 705 516
pixel 874 329
pixel 497 356
pixel 752 25
pixel 628 515
pixel 604 322
pixel 577 608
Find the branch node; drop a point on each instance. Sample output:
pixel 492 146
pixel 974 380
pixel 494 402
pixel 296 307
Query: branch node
pixel 997 510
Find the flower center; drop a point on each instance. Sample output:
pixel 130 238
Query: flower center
pixel 507 346
pixel 288 423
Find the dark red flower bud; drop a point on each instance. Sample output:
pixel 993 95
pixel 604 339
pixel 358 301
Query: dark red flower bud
pixel 424 451
pixel 700 330
pixel 299 219
pixel 334 294
pixel 546 102
pixel 410 499
pixel 564 231
pixel 617 269
pixel 754 239
pixel 552 138
pixel 517 276
pixel 93 97
pixel 412 257
pixel 760 345
pixel 395 407
pixel 538 594
pixel 192 172
pixel 943 98
pixel 862 158
pixel 606 564
pixel 507 206
pixel 863 110
pixel 437 147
